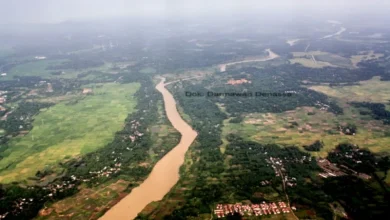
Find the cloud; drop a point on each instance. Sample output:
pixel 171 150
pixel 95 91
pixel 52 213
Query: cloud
pixel 59 10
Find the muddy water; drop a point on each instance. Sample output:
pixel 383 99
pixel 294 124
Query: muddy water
pixel 342 29
pixel 165 173
pixel 271 55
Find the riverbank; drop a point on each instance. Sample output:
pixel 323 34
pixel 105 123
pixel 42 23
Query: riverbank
pixel 165 173
pixel 271 56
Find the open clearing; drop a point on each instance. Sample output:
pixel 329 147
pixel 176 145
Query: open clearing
pixel 35 68
pixel 310 63
pixel 319 59
pixel 370 55
pixel 373 90
pixel 318 125
pixel 91 203
pixel 86 203
pixel 40 68
pixel 68 130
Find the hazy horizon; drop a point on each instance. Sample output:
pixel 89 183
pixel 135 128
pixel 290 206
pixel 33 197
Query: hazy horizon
pixel 46 11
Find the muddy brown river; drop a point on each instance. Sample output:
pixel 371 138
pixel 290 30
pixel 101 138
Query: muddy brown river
pixel 271 56
pixel 165 173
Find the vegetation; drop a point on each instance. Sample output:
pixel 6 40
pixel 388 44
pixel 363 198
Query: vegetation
pixel 79 126
pixel 378 110
pixel 316 146
pixel 212 176
pixel 372 90
pixel 73 155
pixel 21 119
pixel 33 68
pixel 123 150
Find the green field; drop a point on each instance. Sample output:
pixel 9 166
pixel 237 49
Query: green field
pixel 39 68
pixel 319 59
pixel 89 203
pixel 276 128
pixel 335 60
pixel 373 90
pixel 364 56
pixel 69 129
pixel 148 70
pixel 36 68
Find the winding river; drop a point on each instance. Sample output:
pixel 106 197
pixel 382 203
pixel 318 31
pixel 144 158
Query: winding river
pixel 271 56
pixel 165 173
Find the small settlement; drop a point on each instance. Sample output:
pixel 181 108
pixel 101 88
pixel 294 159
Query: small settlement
pixel 3 99
pixel 222 210
pixel 238 81
pixel 332 170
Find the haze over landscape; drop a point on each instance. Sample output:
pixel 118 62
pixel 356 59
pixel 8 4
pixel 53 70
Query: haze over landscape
pixel 46 11
pixel 183 109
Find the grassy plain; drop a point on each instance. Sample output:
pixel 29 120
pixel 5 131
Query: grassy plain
pixel 148 70
pixel 370 55
pixel 39 68
pixel 373 90
pixel 307 59
pixel 335 60
pixel 311 124
pixel 35 68
pixel 319 59
pixel 310 63
pixel 69 129
pixel 90 203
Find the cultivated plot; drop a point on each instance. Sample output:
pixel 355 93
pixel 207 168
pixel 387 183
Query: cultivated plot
pixel 69 129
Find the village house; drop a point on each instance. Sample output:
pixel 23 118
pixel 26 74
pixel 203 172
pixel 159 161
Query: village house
pixel 87 91
pixel 264 208
pixel 2 100
pixel 239 81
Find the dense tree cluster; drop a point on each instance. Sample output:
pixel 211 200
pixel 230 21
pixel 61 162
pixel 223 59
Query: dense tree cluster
pixel 21 119
pixel 361 160
pixel 316 146
pixel 12 195
pixel 348 129
pixel 265 80
pixel 76 64
pixel 377 110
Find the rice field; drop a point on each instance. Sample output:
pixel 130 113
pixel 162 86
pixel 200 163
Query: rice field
pixel 36 68
pixel 69 129
pixel 373 90
pixel 364 56
pixel 311 124
pixel 40 68
pixel 319 59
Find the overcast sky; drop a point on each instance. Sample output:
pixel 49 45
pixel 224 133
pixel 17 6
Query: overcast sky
pixel 52 11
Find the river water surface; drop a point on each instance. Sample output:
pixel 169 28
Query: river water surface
pixel 165 173
pixel 271 56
